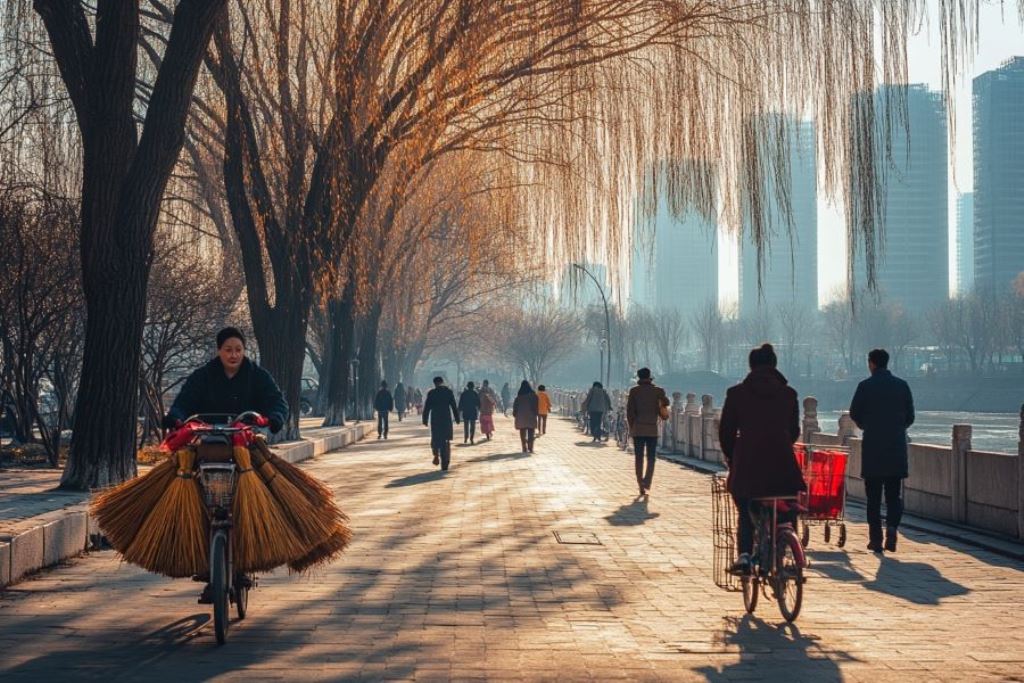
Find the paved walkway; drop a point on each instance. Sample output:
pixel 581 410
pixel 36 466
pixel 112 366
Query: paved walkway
pixel 460 576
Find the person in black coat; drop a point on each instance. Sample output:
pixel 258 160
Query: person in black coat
pixel 229 384
pixel 439 409
pixel 401 401
pixel 883 408
pixel 383 403
pixel 469 408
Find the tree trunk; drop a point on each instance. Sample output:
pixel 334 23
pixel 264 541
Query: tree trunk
pixel 340 325
pixel 369 359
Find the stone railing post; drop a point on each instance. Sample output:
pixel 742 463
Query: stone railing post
pixel 847 427
pixel 958 471
pixel 690 410
pixel 673 426
pixel 810 425
pixel 1020 476
pixel 707 415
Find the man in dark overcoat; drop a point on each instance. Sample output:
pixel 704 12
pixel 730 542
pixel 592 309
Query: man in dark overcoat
pixel 439 409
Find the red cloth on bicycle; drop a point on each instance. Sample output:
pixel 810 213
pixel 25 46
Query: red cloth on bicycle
pixel 760 423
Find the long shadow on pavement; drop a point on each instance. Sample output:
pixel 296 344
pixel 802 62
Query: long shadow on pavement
pixel 495 457
pixel 633 514
pixel 414 479
pixel 915 582
pixel 834 564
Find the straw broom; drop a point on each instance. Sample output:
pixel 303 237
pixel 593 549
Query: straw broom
pixel 312 524
pixel 327 551
pixel 122 509
pixel 263 538
pixel 172 539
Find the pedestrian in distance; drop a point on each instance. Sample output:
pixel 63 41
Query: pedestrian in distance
pixel 469 408
pixel 439 410
pixel 883 408
pixel 645 405
pixel 596 404
pixel 760 423
pixel 401 402
pixel 506 399
pixel 488 403
pixel 417 400
pixel 524 411
pixel 383 403
pixel 543 408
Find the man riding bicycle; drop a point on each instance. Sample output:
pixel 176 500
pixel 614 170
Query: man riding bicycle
pixel 760 423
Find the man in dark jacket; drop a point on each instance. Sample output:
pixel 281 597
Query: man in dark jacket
pixel 643 409
pixel 439 409
pixel 469 407
pixel 401 401
pixel 760 423
pixel 883 408
pixel 383 403
pixel 229 384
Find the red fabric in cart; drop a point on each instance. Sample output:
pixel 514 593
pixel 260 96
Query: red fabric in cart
pixel 826 484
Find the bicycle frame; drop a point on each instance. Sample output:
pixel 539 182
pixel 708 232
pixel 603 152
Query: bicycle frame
pixel 773 530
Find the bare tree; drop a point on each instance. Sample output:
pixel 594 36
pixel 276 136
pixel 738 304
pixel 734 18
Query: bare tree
pixel 796 329
pixel 535 339
pixel 669 332
pixel 708 325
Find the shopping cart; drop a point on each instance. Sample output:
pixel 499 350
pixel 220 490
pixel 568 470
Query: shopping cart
pixel 825 473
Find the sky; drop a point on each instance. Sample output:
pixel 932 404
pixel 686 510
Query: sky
pixel 1001 37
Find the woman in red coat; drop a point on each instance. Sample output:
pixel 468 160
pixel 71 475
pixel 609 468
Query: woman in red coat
pixel 760 423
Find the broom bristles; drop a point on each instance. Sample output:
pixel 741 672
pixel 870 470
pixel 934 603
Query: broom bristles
pixel 263 538
pixel 314 489
pixel 173 538
pixel 121 510
pixel 312 524
pixel 326 552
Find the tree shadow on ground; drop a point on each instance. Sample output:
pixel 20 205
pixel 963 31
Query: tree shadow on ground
pixel 773 652
pixel 592 444
pixel 916 582
pixel 632 514
pixel 495 457
pixel 834 564
pixel 414 479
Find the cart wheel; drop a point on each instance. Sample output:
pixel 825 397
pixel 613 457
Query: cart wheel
pixel 805 535
pixel 828 533
pixel 841 541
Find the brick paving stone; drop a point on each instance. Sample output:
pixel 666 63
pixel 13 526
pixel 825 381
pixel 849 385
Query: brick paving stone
pixel 460 577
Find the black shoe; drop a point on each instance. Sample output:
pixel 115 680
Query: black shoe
pixel 875 546
pixel 741 567
pixel 206 598
pixel 890 539
pixel 436 460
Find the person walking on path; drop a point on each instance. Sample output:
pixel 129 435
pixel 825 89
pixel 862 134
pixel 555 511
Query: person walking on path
pixel 383 403
pixel 506 399
pixel 469 407
pixel 597 403
pixel 644 407
pixel 543 408
pixel 401 401
pixel 883 408
pixel 439 410
pixel 760 423
pixel 524 411
pixel 417 400
pixel 487 406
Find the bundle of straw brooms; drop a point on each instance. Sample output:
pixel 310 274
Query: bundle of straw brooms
pixel 281 516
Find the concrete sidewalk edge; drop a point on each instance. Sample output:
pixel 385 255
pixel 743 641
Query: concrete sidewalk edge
pixel 65 533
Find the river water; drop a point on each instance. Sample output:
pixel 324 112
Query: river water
pixel 992 431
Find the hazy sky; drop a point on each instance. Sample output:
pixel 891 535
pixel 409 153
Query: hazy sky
pixel 1001 37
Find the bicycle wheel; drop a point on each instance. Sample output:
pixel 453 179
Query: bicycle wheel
pixel 241 597
pixel 751 588
pixel 789 575
pixel 219 584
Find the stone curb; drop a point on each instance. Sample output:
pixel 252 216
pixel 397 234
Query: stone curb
pixel 65 533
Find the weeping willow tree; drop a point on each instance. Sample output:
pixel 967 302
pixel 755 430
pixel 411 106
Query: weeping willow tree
pixel 582 98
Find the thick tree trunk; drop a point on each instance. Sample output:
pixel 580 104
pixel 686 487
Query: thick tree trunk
pixel 369 358
pixel 340 324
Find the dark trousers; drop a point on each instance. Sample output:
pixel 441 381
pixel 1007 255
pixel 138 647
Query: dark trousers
pixel 748 511
pixel 645 446
pixel 382 423
pixel 595 424
pixel 469 428
pixel 526 436
pixel 542 424
pixel 873 488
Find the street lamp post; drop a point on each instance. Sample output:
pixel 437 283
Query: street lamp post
pixel 607 326
pixel 354 376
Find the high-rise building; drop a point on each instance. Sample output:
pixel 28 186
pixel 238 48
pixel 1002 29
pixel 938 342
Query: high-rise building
pixel 999 176
pixel 965 243
pixel 678 269
pixel 912 259
pixel 789 273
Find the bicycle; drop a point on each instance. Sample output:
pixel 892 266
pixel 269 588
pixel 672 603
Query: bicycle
pixel 218 476
pixel 621 430
pixel 778 560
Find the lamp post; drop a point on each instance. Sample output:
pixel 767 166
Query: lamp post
pixel 607 340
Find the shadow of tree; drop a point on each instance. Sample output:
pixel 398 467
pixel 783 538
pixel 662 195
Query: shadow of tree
pixel 834 564
pixel 632 514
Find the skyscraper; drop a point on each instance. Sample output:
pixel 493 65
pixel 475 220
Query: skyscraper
pixel 912 262
pixel 680 269
pixel 789 275
pixel 999 176
pixel 965 243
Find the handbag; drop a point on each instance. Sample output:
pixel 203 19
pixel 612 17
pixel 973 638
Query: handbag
pixel 663 411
